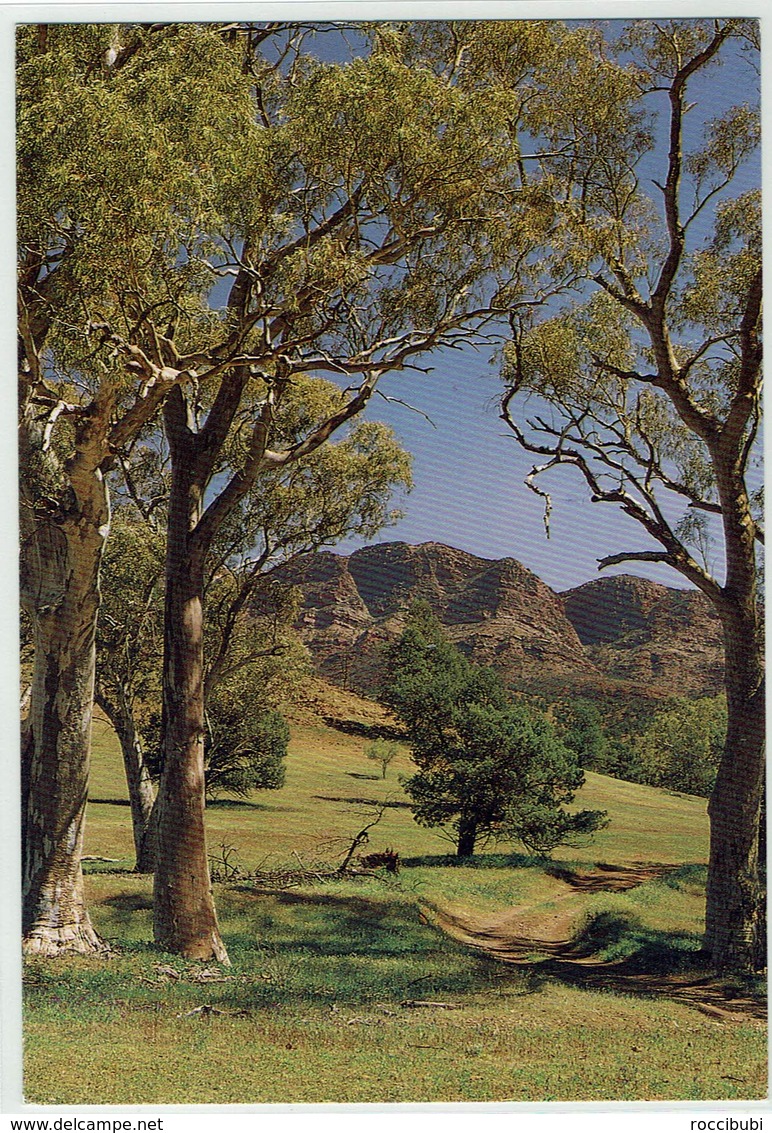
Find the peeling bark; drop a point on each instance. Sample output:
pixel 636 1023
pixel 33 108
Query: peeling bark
pixel 735 924
pixel 735 919
pixel 60 590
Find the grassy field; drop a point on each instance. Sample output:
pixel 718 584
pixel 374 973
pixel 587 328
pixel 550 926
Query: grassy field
pixel 321 1003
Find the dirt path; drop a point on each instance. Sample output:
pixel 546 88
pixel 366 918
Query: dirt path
pixel 541 940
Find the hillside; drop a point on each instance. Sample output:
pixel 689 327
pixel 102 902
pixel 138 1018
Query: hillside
pixel 332 787
pixel 619 635
pixel 653 635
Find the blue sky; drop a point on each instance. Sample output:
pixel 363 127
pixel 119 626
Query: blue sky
pixel 469 483
pixel 469 471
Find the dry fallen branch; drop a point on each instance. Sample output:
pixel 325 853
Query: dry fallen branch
pixel 430 1003
pixel 204 1012
pixel 210 976
pixel 169 973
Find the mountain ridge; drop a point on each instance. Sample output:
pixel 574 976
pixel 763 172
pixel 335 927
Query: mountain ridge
pixel 606 635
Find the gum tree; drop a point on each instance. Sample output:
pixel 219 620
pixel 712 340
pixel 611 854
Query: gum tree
pixel 366 249
pixel 105 202
pixel 343 490
pixel 223 216
pixel 649 385
pixel 128 661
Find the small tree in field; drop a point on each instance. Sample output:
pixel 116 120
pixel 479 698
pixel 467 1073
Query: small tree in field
pixel 486 768
pixel 383 752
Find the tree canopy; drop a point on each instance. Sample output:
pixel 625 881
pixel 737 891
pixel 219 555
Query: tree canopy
pixel 487 768
pixel 204 219
pixel 648 383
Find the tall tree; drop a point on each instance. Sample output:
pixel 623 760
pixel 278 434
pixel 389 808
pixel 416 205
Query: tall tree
pixel 165 132
pixel 107 195
pixel 649 386
pixel 370 247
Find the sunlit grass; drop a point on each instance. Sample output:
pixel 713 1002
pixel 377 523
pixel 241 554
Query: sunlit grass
pixel 332 788
pixel 315 1009
pixel 315 1005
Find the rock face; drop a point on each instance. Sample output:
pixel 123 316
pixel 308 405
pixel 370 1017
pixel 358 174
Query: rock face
pixel 621 631
pixel 652 635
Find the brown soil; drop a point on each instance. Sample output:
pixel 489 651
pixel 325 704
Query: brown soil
pixel 542 941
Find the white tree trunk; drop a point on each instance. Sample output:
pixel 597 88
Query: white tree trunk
pixel 61 593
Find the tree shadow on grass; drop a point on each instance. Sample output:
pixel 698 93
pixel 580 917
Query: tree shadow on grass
pixel 129 913
pixel 297 951
pixel 243 804
pixel 129 902
pixel 621 939
pixel 339 948
pixel 478 861
pixel 366 731
pixel 212 804
pixel 361 801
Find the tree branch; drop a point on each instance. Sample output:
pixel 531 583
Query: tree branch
pixel 675 157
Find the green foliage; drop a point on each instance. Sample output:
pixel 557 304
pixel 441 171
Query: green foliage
pixel 340 490
pixel 129 631
pixel 487 768
pixel 678 747
pixel 635 395
pixel 115 172
pixel 682 746
pixel 383 752
pixel 581 730
pixel 343 489
pixel 542 826
pixel 246 744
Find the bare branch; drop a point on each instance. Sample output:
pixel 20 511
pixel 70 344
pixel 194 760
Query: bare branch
pixel 636 556
pixel 670 190
pixel 398 401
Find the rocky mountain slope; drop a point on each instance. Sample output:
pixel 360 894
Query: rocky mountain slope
pixel 609 635
pixel 652 635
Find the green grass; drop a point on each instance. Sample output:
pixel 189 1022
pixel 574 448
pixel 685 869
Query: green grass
pixel 312 1009
pixel 320 809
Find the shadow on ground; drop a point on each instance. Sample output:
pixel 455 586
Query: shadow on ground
pixel 361 801
pixel 478 861
pixel 612 951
